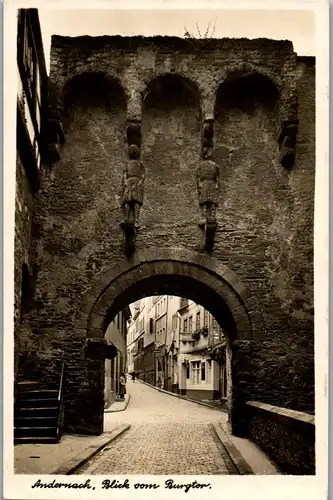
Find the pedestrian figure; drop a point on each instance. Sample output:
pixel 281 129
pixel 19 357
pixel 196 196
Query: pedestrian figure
pixel 133 376
pixel 122 386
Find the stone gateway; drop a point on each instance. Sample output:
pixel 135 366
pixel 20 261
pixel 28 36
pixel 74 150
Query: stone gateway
pixel 140 111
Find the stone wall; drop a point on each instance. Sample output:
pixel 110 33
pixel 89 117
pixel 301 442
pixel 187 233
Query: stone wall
pixel 265 212
pixel 286 435
pixel 23 261
pixel 281 369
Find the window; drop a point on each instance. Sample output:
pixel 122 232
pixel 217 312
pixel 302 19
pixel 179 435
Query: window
pixel 209 370
pixel 183 303
pixel 185 325
pixel 174 322
pixel 151 325
pixel 203 371
pixel 206 318
pixel 195 372
pixel 190 324
pixel 215 328
pixel 197 321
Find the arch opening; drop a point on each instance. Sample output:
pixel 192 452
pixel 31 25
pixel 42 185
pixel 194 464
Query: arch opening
pixel 245 143
pixel 170 91
pixel 180 286
pixel 170 148
pixel 246 92
pixel 93 90
pixel 94 115
pixel 201 279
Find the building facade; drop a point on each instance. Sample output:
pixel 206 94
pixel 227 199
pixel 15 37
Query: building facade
pixel 30 140
pixel 201 374
pixel 177 345
pixel 116 336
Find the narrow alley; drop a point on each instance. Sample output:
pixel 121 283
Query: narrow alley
pixel 167 436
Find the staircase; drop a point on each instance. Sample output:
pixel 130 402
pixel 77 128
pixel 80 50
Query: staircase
pixel 38 412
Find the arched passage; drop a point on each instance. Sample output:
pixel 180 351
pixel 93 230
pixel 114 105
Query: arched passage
pixel 201 278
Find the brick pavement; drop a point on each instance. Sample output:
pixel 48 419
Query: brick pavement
pixel 167 436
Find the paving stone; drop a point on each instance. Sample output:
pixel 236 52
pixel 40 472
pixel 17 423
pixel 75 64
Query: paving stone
pixel 167 436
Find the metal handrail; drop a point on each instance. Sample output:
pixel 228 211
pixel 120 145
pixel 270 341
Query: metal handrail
pixel 61 402
pixel 61 381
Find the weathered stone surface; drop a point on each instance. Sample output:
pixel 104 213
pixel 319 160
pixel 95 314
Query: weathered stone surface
pixel 23 257
pixel 287 436
pixel 265 213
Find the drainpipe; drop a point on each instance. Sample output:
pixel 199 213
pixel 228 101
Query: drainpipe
pixel 155 346
pixel 166 373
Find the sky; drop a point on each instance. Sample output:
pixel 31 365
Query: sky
pixel 295 25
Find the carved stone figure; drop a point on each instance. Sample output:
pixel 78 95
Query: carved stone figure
pixel 133 179
pixel 287 143
pixel 287 136
pixel 208 184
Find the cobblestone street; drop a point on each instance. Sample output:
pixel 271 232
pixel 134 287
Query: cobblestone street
pixel 167 436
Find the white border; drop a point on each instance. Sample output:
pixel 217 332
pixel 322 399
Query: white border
pixel 260 487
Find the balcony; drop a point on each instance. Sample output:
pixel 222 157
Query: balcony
pixel 200 331
pixel 183 304
pixel 217 338
pixel 186 337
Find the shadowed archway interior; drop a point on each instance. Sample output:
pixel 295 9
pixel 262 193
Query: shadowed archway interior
pixel 183 286
pixel 200 278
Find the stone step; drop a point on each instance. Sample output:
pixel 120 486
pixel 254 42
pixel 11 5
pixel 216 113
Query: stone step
pixel 46 411
pixel 36 440
pixel 38 394
pixel 36 403
pixel 35 421
pixel 27 385
pixel 35 431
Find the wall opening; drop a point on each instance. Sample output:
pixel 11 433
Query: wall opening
pixel 172 343
pixel 90 91
pixel 223 296
pixel 171 121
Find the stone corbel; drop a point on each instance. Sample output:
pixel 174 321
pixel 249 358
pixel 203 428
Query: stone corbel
pixel 133 132
pixel 287 139
pixel 287 135
pixel 53 132
pixel 54 138
pixel 210 227
pixel 208 131
pixel 96 348
pixel 99 349
pixel 130 235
